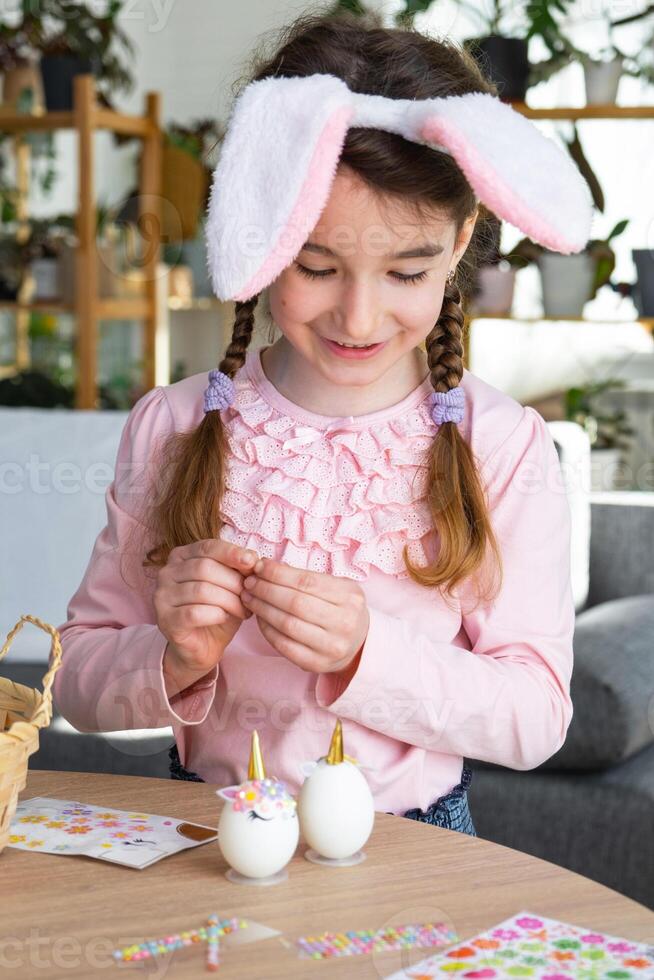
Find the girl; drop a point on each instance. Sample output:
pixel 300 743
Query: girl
pixel 377 536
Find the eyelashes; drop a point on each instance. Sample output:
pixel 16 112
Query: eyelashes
pixel 323 273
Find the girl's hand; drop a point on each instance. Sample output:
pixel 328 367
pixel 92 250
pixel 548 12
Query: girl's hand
pixel 318 621
pixel 198 606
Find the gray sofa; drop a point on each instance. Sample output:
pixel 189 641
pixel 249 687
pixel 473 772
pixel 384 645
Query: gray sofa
pixel 589 808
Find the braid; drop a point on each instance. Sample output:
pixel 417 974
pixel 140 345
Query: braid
pixel 193 464
pixel 444 344
pixel 241 337
pixel 455 494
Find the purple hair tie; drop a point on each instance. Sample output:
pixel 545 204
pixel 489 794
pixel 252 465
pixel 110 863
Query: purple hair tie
pixel 447 406
pixel 220 392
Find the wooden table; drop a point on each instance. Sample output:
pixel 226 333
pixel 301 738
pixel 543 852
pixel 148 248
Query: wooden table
pixel 62 916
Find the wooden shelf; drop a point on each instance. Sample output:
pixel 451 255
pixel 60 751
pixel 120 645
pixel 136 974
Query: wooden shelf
pixel 115 122
pixel 86 118
pixel 585 112
pixel 113 308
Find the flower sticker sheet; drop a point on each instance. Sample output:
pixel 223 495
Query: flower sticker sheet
pixel 530 945
pixel 121 836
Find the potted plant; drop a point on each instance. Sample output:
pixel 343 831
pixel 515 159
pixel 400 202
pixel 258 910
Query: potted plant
pixel 608 431
pixel 73 40
pixel 643 288
pixel 494 279
pixel 186 175
pixel 570 281
pixel 504 59
pixel 602 75
pixel 21 75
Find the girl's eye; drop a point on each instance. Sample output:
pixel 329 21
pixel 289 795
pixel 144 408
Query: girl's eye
pixel 315 274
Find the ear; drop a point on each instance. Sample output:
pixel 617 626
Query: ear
pixel 306 768
pixel 518 172
pixel 276 168
pixel 228 793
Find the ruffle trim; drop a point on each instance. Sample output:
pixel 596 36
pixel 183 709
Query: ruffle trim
pixel 334 499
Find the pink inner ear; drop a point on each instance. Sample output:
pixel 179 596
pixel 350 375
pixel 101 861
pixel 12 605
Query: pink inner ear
pixel 309 205
pixel 488 186
pixel 228 793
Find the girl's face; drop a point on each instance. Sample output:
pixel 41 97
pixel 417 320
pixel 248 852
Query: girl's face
pixel 349 285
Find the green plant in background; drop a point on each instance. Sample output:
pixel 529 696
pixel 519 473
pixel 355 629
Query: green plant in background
pixel 68 27
pixel 606 430
pixel 198 138
pixel 400 13
pixel 540 18
pixel 526 251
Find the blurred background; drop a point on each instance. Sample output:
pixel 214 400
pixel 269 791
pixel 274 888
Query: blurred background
pixel 111 118
pixel 103 286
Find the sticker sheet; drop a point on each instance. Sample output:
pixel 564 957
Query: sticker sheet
pixel 121 836
pixel 531 945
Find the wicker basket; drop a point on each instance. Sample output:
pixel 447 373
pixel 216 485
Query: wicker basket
pixel 23 711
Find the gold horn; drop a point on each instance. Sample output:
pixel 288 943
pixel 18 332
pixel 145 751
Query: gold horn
pixel 335 754
pixel 255 769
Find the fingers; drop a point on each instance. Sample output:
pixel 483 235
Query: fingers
pixel 225 552
pixel 298 604
pixel 207 570
pixel 331 588
pixel 208 594
pixel 298 630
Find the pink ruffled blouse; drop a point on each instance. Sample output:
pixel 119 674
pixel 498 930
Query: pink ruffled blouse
pixel 436 683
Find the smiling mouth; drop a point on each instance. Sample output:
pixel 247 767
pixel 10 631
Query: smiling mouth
pixel 356 346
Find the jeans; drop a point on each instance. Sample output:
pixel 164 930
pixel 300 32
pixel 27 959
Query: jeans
pixel 450 811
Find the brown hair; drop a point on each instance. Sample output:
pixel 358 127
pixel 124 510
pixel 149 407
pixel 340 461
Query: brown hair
pixel 403 64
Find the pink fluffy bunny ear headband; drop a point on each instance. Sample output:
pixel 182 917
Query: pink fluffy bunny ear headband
pixel 281 152
pixel 282 147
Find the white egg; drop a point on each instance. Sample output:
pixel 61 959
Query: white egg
pixel 336 809
pixel 258 840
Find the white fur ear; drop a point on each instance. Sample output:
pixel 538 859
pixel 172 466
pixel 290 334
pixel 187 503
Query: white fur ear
pixel 522 175
pixel 273 178
pixel 306 768
pixel 228 793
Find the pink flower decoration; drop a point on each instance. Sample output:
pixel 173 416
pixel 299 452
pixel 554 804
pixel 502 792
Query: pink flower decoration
pixel 479 974
pixel 505 934
pixel 620 947
pixel 592 937
pixel 556 976
pixel 527 923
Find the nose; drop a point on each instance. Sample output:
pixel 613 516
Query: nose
pixel 359 312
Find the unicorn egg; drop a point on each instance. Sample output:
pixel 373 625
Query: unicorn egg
pixel 335 805
pixel 258 830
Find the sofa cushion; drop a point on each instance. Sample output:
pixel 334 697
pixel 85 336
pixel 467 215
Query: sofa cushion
pixel 612 685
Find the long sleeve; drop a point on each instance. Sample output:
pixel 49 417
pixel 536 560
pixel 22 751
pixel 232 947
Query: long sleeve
pixel 507 699
pixel 111 675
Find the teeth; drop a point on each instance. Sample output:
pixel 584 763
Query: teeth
pixel 357 346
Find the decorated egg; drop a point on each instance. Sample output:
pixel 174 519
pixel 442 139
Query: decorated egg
pixel 336 807
pixel 258 830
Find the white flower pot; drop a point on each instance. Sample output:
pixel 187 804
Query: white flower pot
pixel 496 289
pixel 602 79
pixel 567 282
pixel 604 467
